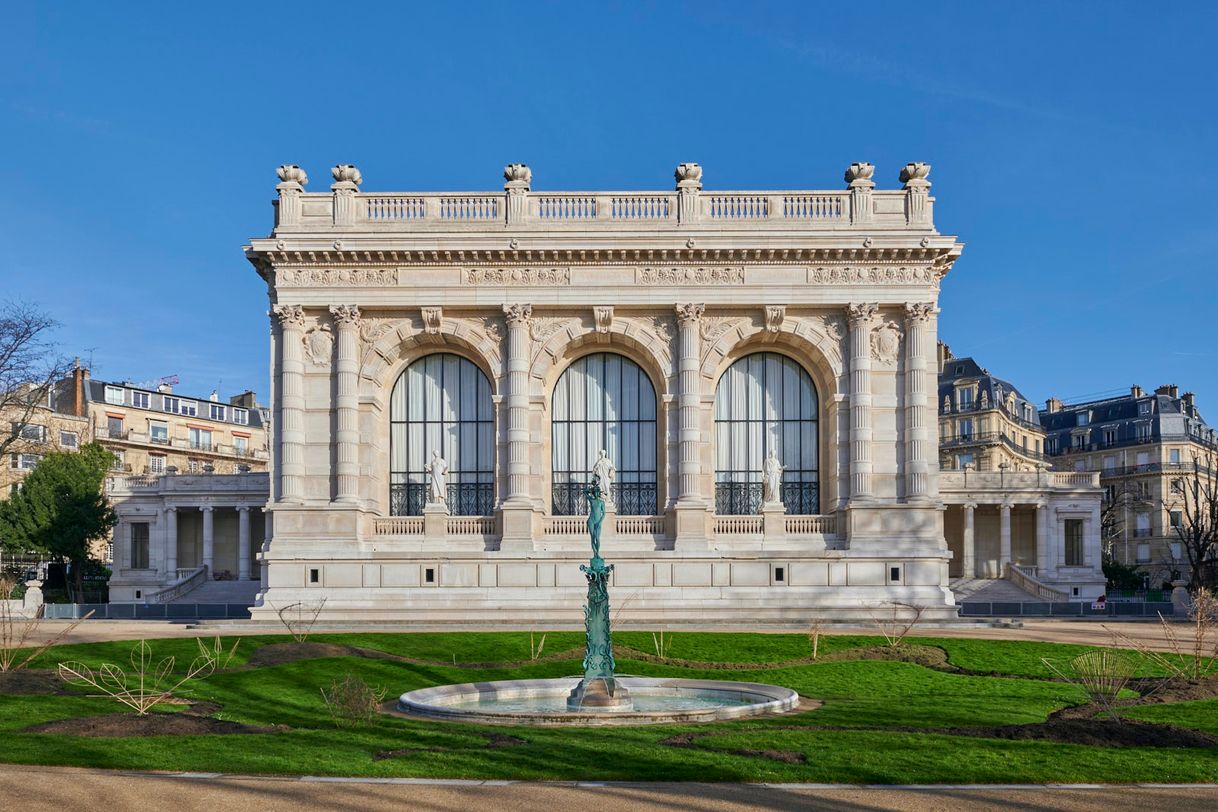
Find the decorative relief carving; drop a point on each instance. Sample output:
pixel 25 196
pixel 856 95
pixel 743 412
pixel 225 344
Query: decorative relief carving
pixel 517 276
pixel 919 311
pixel 518 313
pixel 542 328
pixel 289 316
pixel 662 326
pixel 832 326
pixel 491 326
pixel 336 277
pixel 691 311
pixel 345 315
pixel 712 327
pixel 602 317
pixel 432 319
pixel 862 312
pixel 318 345
pixel 885 275
pixel 886 342
pixel 370 331
pixel 774 315
pixel 690 276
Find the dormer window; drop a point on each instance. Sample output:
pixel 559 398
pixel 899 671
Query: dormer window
pixel 1081 419
pixel 1144 407
pixel 964 397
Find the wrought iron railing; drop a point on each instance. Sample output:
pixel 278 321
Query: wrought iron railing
pixel 745 498
pixel 464 499
pixel 630 498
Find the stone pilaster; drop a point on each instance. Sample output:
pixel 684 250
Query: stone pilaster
pixel 346 183
pixel 862 318
pixel 689 185
pixel 518 506
pixel 519 178
pixel 859 179
pixel 691 505
pixel 917 194
pixel 209 540
pixel 291 388
pixel 243 543
pixel 293 180
pixel 171 543
pixel 346 320
pixel 968 559
pixel 917 414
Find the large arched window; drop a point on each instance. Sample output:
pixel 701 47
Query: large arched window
pixel 765 401
pixel 442 403
pixel 604 402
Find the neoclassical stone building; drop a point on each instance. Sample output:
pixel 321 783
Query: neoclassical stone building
pixel 686 333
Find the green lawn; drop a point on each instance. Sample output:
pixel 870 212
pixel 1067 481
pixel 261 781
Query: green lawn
pixel 881 721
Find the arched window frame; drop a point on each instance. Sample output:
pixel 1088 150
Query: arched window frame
pixel 743 441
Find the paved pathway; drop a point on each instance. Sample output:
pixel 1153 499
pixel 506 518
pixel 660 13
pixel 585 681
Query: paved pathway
pixel 55 788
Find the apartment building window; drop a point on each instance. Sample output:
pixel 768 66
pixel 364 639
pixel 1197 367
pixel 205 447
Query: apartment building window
pixel 114 427
pixel 120 460
pixel 1080 441
pixel 240 444
pixel 1074 542
pixel 964 398
pixel 1143 553
pixel 192 466
pixel 68 439
pixel 964 428
pixel 1080 419
pixel 139 545
pixel 1110 436
pixel 1173 456
pixel 1143 459
pixel 23 462
pixel 241 416
pixel 1051 446
pixel 216 411
pixel 1109 463
pixel 1176 518
pixel 14 488
pixel 141 400
pixel 1144 407
pixel 965 459
pixel 1141 525
pixel 156 463
pixel 114 395
pixel 200 439
pixel 1177 550
pixel 1080 466
pixel 1143 490
pixel 1143 432
pixel 30 432
pixel 186 408
pixel 158 432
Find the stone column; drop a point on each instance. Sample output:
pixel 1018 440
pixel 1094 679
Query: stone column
pixel 690 505
pixel 267 525
pixel 517 510
pixel 1004 538
pixel 1042 540
pixel 862 317
pixel 917 417
pixel 243 543
pixel 968 559
pixel 346 320
pixel 291 388
pixel 209 540
pixel 171 542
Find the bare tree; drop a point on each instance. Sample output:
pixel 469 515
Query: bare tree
pixel 1195 495
pixel 29 366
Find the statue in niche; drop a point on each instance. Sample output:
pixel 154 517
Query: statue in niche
pixel 603 471
pixel 596 516
pixel 771 479
pixel 437 484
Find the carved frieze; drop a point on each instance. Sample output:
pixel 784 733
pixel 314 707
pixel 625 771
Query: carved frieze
pixel 516 277
pixel 879 275
pixel 690 276
pixel 336 277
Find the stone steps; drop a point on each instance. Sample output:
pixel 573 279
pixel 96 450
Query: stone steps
pixel 222 592
pixel 989 590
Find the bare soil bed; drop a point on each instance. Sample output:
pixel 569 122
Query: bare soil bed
pixel 29 681
pixel 280 653
pixel 116 725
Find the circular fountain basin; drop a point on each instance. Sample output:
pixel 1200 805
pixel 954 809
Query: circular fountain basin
pixel 544 702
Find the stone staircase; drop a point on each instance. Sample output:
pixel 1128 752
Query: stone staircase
pixel 222 592
pixel 989 590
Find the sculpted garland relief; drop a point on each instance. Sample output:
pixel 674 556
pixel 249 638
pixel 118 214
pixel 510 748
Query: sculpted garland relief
pixel 689 276
pixel 336 277
pixel 517 276
pixel 882 275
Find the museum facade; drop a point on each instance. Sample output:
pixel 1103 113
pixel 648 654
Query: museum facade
pixel 686 336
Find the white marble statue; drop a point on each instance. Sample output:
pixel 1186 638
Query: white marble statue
pixel 771 479
pixel 604 470
pixel 437 483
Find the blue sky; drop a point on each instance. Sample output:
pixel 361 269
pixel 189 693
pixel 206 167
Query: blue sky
pixel 1073 147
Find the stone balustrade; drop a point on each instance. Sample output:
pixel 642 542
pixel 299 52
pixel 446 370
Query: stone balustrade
pixel 251 483
pixel 1016 480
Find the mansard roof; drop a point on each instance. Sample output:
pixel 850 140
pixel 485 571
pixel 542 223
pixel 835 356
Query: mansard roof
pixel 997 389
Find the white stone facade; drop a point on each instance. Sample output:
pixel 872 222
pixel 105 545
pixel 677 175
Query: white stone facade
pixel 681 284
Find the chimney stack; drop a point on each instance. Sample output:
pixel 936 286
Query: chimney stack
pixel 79 376
pixel 1053 405
pixel 1136 391
pixel 944 352
pixel 245 400
pixel 1190 404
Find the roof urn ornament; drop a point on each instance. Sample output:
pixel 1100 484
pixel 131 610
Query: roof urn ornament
pixel 291 173
pixel 689 176
pixel 915 174
pixel 347 173
pixel 860 173
pixel 518 176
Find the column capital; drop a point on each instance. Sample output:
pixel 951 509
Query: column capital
pixel 919 312
pixel 243 508
pixel 862 313
pixel 1005 507
pixel 517 313
pixel 970 506
pixel 206 508
pixel 171 508
pixel 690 312
pixel 290 316
pixel 345 315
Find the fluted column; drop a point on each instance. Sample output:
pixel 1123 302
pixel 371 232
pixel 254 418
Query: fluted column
pixel 689 317
pixel 171 542
pixel 291 388
pixel 917 466
pixel 968 560
pixel 517 317
pixel 1004 538
pixel 243 543
pixel 862 317
pixel 209 539
pixel 346 320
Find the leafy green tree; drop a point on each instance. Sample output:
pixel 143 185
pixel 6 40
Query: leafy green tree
pixel 61 507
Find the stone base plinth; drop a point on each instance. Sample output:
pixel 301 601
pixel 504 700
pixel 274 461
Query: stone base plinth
pixel 595 695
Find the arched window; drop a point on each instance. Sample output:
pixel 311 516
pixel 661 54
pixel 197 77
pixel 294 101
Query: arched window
pixel 765 401
pixel 442 402
pixel 604 402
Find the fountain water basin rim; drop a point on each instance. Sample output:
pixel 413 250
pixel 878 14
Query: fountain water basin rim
pixel 543 702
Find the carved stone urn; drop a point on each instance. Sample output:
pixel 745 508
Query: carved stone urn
pixel 347 173
pixel 915 172
pixel 860 172
pixel 291 173
pixel 688 175
pixel 518 175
